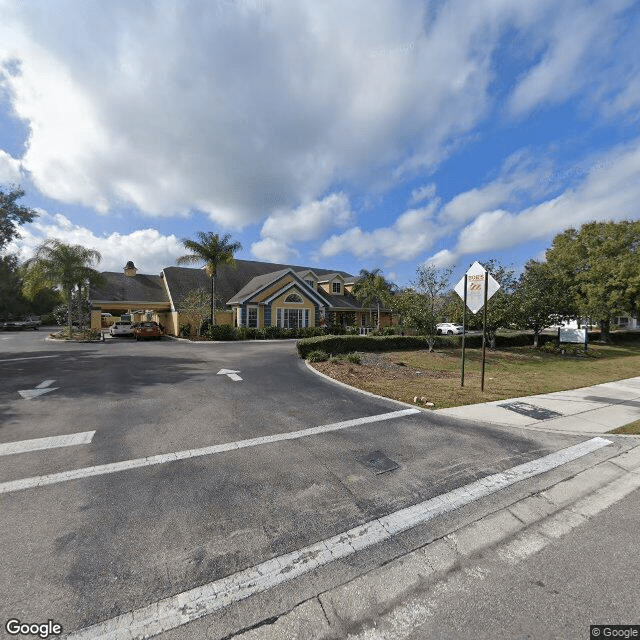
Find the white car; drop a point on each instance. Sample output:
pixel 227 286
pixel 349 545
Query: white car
pixel 121 329
pixel 449 328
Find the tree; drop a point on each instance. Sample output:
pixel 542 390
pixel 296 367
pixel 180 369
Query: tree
pixel 421 306
pixel 541 298
pixel 64 265
pixel 600 266
pixel 214 252
pixel 195 306
pixel 502 307
pixel 12 214
pixel 372 288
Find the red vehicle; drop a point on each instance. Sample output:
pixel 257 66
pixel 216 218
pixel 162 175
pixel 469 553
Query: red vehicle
pixel 145 330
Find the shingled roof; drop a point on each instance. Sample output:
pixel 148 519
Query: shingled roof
pixel 230 281
pixel 118 287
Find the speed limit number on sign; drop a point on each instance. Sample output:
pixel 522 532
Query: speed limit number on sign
pixel 475 287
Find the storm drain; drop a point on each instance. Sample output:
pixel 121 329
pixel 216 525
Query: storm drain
pixel 530 410
pixel 377 462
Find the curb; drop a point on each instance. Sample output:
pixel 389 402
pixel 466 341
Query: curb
pixel 512 533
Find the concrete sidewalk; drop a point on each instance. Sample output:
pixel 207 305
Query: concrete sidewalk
pixel 590 410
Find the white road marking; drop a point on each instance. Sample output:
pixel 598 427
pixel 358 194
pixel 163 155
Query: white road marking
pixel 31 358
pixel 114 467
pixel 28 394
pixel 185 607
pixel 45 384
pixel 53 442
pixel 230 373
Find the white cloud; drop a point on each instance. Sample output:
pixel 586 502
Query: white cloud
pixel 579 34
pixel 274 250
pixel 426 192
pixel 149 250
pixel 244 108
pixel 412 233
pixel 9 169
pixel 610 190
pixel 308 222
pixel 444 258
pixel 519 174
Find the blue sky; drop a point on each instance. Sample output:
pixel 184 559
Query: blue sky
pixel 341 135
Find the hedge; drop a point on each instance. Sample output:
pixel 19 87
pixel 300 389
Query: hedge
pixel 347 344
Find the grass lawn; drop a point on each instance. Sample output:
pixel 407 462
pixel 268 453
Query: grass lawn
pixel 510 373
pixel 632 429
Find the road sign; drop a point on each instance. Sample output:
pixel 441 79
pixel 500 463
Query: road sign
pixel 475 287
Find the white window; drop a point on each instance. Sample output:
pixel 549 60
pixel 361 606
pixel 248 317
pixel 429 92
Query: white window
pixel 335 288
pixel 294 297
pixel 252 316
pixel 293 318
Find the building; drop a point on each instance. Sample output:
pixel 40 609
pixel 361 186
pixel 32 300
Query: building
pixel 251 294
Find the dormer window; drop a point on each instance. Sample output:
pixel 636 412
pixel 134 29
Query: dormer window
pixel 335 287
pixel 295 298
pixel 310 283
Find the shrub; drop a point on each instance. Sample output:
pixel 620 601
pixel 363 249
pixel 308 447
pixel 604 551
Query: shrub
pixel 388 331
pixel 354 358
pixel 317 355
pixel 221 332
pixel 185 330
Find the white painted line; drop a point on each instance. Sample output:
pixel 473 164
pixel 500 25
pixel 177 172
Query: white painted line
pixel 28 394
pixel 114 467
pixel 53 442
pixel 31 358
pixel 185 607
pixel 45 384
pixel 230 373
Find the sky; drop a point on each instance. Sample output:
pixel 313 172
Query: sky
pixel 342 135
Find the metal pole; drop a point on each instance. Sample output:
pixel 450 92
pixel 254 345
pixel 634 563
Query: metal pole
pixel 484 326
pixel 464 329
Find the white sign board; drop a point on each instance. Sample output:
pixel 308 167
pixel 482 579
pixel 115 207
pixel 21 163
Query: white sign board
pixel 573 335
pixel 475 287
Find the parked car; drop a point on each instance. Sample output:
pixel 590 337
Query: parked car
pixel 121 329
pixel 449 328
pixel 23 323
pixel 144 330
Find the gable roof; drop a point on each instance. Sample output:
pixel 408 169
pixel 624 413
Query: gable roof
pixel 326 277
pixel 262 282
pixel 255 284
pixel 181 280
pixel 118 287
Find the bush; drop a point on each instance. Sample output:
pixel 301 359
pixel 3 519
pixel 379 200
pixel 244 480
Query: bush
pixel 221 332
pixel 354 358
pixel 185 330
pixel 388 331
pixel 318 355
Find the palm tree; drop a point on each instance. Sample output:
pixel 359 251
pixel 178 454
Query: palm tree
pixel 371 287
pixel 60 264
pixel 214 252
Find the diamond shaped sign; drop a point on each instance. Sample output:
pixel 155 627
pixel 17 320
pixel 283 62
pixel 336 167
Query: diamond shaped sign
pixel 475 287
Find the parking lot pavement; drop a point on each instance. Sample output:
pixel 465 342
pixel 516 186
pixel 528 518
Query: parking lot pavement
pixel 192 477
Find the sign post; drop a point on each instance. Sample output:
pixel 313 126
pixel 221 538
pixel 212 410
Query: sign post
pixel 464 329
pixel 484 327
pixel 475 289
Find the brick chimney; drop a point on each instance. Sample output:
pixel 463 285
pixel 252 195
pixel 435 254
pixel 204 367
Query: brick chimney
pixel 130 269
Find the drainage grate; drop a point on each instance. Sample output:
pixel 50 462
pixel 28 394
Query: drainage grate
pixel 530 410
pixel 377 462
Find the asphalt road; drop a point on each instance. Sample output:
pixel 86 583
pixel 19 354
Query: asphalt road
pixel 86 550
